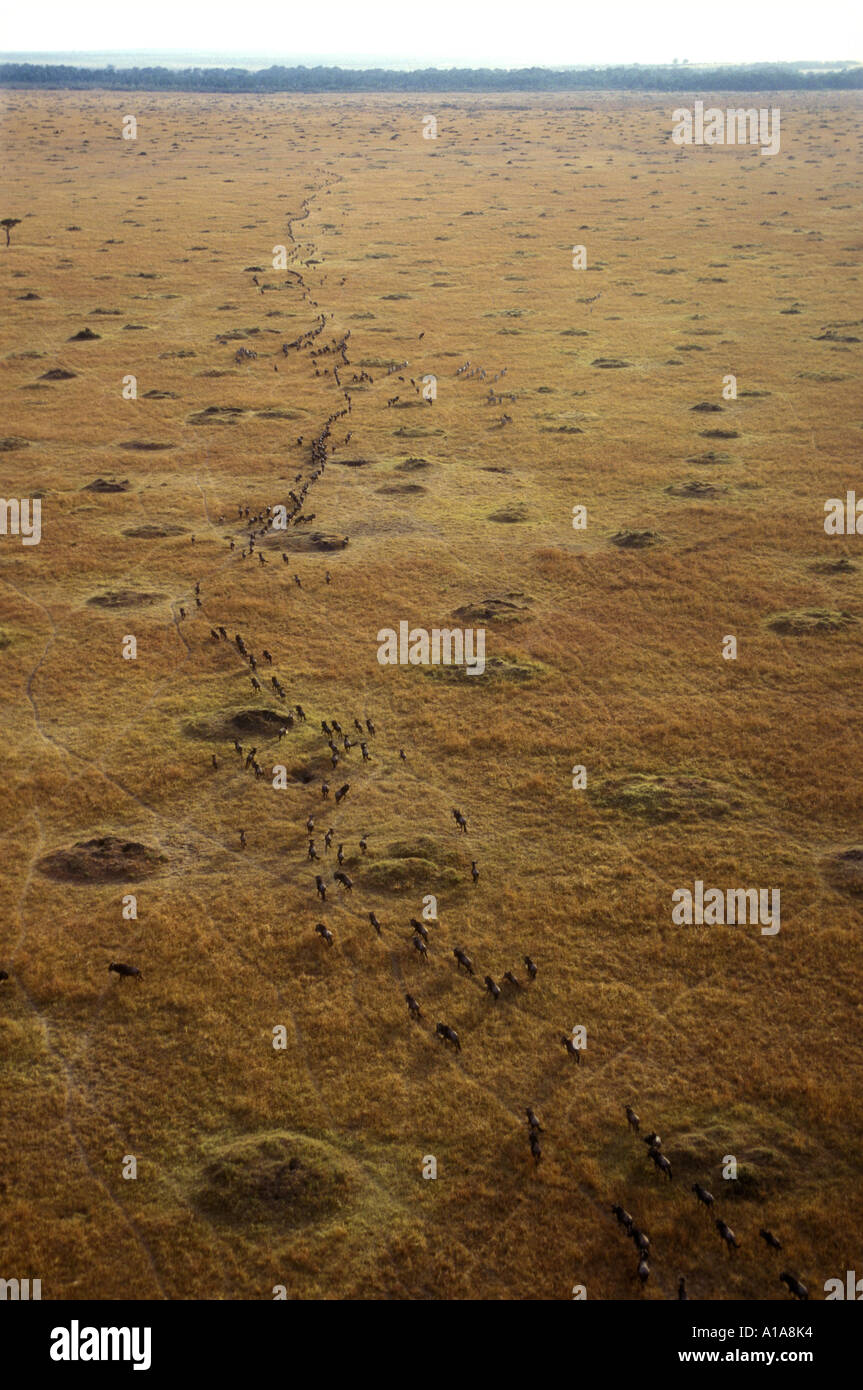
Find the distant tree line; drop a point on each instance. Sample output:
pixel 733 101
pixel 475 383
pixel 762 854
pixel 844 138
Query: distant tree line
pixel 756 77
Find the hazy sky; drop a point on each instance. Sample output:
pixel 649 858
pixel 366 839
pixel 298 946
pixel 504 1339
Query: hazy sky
pixel 494 33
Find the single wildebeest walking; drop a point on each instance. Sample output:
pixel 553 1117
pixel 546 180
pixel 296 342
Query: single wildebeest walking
pixel 623 1216
pixel 535 1146
pixel 531 967
pixel 794 1286
pixel 532 1120
pixel 324 932
pixel 631 1118
pixel 125 972
pixel 448 1035
pixel 463 960
pixel 492 988
pixel 342 792
pixel 321 887
pixel 420 947
pixel 727 1235
pixel 769 1238
pixel 344 881
pixel 571 1048
pixel 705 1198
pixel 413 1007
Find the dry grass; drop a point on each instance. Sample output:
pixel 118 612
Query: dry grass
pixel 725 1041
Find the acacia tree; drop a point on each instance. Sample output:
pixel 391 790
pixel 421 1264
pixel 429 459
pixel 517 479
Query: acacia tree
pixel 7 224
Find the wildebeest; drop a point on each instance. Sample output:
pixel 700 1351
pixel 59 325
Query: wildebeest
pixel 125 972
pixel 769 1238
pixel 631 1118
pixel 375 923
pixel 727 1234
pixel 324 931
pixel 321 887
pixel 413 1006
pixel 342 792
pixel 642 1241
pixel 623 1216
pixel 571 1048
pixel 794 1285
pixel 420 947
pixel 705 1198
pixel 531 967
pixel 532 1120
pixel 510 979
pixel 474 871
pixel 535 1146
pixel 344 881
pixel 661 1162
pixel 463 960
pixel 643 1271
pixel 420 928
pixel 492 988
pixel 448 1035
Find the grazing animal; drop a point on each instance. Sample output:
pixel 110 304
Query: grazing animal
pixel 532 1120
pixel 321 887
pixel 510 979
pixel 661 1162
pixel 310 824
pixel 325 790
pixel 531 967
pixel 474 871
pixel 794 1286
pixel 571 1048
pixel 420 947
pixel 652 1141
pixel 340 855
pixel 328 838
pixel 623 1217
pixel 370 726
pixel 375 923
pixel 344 881
pixel 682 1295
pixel 535 1146
pixel 125 972
pixel 342 792
pixel 242 839
pixel 448 1035
pixel 300 712
pixel 643 1272
pixel 632 1119
pixel 727 1234
pixel 705 1198
pixel 642 1241
pixel 420 928
pixel 492 988
pixel 325 933
pixel 313 853
pixel 770 1239
pixel 413 1007
pixel 463 960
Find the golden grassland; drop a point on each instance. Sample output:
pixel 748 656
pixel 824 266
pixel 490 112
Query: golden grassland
pixel 739 773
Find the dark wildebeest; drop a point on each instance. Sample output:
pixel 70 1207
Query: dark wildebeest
pixel 769 1238
pixel 623 1216
pixel 642 1241
pixel 328 838
pixel 321 887
pixel 571 1048
pixel 340 855
pixel 643 1271
pixel 510 979
pixel 474 871
pixel 448 1035
pixel 652 1141
pixel 705 1198
pixel 420 928
pixel 413 1006
pixel 535 1146
pixel 727 1235
pixel 370 726
pixel 631 1118
pixel 375 923
pixel 661 1162
pixel 492 988
pixel 531 967
pixel 532 1120
pixel 342 792
pixel 794 1286
pixel 324 932
pixel 300 712
pixel 310 824
pixel 420 947
pixel 463 960
pixel 125 972
pixel 344 881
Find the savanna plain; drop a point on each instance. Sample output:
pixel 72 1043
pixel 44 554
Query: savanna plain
pixel 279 1099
